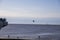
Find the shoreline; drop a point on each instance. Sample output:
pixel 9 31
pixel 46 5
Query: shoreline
pixel 38 24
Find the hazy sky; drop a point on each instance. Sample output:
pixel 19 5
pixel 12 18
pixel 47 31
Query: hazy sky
pixel 30 8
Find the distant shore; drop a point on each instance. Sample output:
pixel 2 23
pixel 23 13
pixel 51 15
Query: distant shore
pixel 38 24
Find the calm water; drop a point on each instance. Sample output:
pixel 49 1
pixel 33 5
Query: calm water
pixel 30 29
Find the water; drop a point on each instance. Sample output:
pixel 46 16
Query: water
pixel 30 29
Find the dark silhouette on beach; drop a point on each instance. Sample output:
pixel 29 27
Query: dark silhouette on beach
pixel 3 22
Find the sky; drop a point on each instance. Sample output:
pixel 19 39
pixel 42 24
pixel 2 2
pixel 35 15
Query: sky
pixel 27 10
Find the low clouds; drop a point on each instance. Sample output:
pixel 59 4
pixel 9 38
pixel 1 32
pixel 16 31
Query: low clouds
pixel 4 13
pixel 7 13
